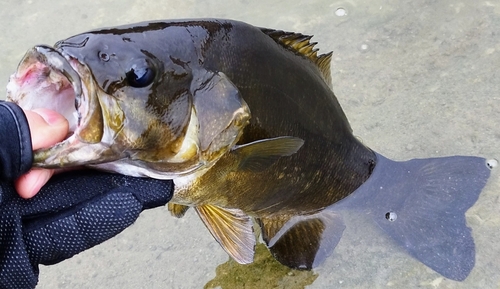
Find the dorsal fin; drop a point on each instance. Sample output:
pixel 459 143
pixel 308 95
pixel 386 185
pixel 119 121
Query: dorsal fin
pixel 300 44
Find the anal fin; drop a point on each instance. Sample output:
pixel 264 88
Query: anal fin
pixel 232 228
pixel 302 242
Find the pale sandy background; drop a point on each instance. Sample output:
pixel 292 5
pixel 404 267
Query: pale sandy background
pixel 416 78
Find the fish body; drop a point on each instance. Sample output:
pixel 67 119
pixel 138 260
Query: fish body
pixel 245 122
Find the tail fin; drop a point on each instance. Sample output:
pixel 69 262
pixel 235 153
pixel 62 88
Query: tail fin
pixel 421 204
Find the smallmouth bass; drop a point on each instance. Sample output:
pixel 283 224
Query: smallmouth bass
pixel 245 122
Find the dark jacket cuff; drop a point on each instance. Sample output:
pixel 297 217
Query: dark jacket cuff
pixel 16 155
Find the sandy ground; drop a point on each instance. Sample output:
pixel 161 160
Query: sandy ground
pixel 416 79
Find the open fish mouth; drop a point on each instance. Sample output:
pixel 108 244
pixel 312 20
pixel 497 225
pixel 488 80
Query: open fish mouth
pixel 48 78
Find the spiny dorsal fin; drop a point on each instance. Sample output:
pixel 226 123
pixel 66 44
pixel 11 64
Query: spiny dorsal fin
pixel 300 44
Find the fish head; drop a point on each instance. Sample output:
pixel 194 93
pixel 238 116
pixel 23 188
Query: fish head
pixel 134 106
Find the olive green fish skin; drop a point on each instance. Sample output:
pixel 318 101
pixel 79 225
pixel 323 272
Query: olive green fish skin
pixel 164 108
pixel 286 94
pixel 162 111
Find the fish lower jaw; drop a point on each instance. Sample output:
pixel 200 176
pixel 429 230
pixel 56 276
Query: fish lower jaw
pixel 71 153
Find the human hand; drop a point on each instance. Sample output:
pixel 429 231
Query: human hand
pixel 74 210
pixel 47 128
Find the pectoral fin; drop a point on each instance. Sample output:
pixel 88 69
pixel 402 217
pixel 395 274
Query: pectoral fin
pixel 259 155
pixel 232 228
pixel 303 242
pixel 177 210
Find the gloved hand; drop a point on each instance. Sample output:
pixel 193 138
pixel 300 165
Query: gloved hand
pixel 73 212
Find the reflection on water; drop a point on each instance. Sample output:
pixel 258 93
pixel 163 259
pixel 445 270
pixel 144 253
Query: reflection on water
pixel 264 272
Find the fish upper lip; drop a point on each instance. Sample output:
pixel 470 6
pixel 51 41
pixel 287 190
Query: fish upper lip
pixel 61 62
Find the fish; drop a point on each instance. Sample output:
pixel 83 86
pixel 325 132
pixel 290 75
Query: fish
pixel 245 122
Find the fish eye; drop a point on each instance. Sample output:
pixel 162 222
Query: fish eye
pixel 140 76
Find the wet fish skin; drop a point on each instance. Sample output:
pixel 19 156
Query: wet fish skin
pixel 271 140
pixel 140 112
pixel 288 95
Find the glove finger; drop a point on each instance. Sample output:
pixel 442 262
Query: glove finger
pixel 92 224
pixel 68 189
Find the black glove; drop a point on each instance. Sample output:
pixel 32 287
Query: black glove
pixel 73 212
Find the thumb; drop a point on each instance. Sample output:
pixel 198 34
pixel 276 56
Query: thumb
pixel 47 127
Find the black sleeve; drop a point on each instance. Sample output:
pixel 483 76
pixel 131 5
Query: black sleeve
pixel 16 156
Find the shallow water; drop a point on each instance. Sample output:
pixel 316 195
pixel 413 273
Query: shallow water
pixel 415 78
